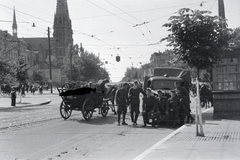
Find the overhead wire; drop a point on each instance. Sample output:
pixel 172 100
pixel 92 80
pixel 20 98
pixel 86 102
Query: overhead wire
pixel 120 18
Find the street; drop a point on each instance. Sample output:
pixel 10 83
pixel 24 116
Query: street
pixel 40 133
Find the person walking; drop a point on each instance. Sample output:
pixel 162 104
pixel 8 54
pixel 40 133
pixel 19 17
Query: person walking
pixel 133 94
pixel 174 104
pixel 40 90
pixel 122 102
pixel 149 105
pixel 33 89
pixel 184 98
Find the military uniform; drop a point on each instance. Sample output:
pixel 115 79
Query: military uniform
pixel 174 105
pixel 149 105
pixel 162 104
pixel 184 98
pixel 134 101
pixel 122 101
pixel 163 107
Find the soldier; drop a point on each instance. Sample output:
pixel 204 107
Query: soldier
pixel 174 105
pixel 162 105
pixel 149 105
pixel 184 98
pixel 122 102
pixel 134 101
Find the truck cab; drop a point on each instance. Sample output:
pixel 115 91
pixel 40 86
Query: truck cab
pixel 163 79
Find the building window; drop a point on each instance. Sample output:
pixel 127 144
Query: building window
pixel 227 75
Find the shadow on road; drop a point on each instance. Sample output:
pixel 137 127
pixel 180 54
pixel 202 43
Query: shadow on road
pixel 96 120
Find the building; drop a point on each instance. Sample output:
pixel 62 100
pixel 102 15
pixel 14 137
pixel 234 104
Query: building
pixel 62 30
pixel 61 44
pixel 226 86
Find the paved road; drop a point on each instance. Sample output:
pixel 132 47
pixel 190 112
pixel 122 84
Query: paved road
pixel 41 133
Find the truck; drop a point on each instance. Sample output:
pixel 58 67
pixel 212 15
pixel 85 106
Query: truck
pixel 163 78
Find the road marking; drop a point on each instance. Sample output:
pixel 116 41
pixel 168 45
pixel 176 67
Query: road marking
pixel 149 150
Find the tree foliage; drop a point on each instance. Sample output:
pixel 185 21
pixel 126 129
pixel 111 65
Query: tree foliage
pixel 7 72
pixel 22 72
pixel 197 38
pixel 37 75
pixel 235 40
pixel 86 67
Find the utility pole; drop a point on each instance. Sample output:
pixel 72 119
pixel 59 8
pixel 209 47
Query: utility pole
pixel 49 54
pixel 71 63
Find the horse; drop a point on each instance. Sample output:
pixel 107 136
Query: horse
pixel 5 89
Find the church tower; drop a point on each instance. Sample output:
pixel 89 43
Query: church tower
pixel 62 29
pixel 14 25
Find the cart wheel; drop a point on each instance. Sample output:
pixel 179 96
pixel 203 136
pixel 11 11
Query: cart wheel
pixel 65 111
pixel 87 109
pixel 104 109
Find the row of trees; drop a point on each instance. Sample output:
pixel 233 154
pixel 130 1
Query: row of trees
pixel 84 68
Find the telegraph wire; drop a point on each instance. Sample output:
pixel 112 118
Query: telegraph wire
pixel 26 14
pixel 143 23
pixel 120 18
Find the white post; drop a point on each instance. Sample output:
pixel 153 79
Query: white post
pixel 199 110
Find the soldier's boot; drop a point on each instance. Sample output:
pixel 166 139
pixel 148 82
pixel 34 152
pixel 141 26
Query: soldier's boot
pixel 136 117
pixel 132 117
pixel 119 116
pixel 124 123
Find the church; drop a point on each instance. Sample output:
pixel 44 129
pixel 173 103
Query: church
pixel 35 50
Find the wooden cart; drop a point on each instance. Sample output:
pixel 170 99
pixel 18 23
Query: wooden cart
pixel 86 103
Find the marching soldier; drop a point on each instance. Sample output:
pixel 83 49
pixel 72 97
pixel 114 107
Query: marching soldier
pixel 134 101
pixel 122 102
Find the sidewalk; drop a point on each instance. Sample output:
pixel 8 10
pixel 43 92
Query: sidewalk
pixel 27 101
pixel 221 141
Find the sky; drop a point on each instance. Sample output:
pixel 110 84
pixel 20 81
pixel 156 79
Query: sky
pixel 131 29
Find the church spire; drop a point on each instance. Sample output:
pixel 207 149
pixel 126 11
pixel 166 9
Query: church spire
pixel 14 25
pixel 62 28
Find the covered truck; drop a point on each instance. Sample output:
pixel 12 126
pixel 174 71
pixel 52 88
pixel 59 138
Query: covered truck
pixel 162 78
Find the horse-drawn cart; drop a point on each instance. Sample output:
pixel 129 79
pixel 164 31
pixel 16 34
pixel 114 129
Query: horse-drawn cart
pixel 87 103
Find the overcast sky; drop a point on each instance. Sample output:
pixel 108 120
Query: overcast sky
pixel 129 28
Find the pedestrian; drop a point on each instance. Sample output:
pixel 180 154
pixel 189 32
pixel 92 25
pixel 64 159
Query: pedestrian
pixel 174 105
pixel 122 102
pixel 162 105
pixel 22 90
pixel 184 98
pixel 33 90
pixel 133 94
pixel 40 90
pixel 13 96
pixel 149 106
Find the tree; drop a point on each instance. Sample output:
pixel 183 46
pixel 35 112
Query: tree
pixel 198 40
pixel 7 72
pixel 22 72
pixel 37 75
pixel 235 40
pixel 86 67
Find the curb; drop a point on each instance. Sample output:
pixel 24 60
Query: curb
pixel 149 150
pixel 29 105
